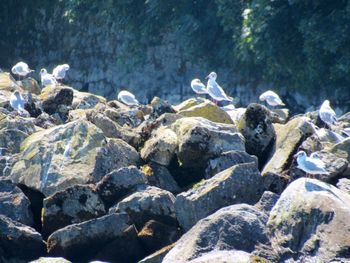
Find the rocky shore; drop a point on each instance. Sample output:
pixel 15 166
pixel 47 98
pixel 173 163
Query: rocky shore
pixel 84 179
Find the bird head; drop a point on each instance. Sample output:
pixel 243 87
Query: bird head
pixel 300 154
pixel 43 71
pixel 212 75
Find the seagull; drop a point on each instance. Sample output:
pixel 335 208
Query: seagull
pixel 127 98
pixel 325 134
pixel 21 69
pixel 271 98
pixel 346 131
pixel 327 114
pixel 17 102
pixel 198 87
pixel 214 90
pixel 59 72
pixel 46 78
pixel 310 165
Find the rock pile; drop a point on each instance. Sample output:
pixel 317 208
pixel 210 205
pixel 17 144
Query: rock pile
pixel 84 179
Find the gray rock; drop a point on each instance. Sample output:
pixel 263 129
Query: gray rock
pixel 200 140
pixel 241 183
pixel 50 260
pixel 149 203
pixel 223 256
pixel 344 185
pixel 311 218
pixel 81 242
pixel 53 98
pixel 267 202
pixel 18 241
pixel 14 204
pixel 236 227
pixel 73 205
pixel 226 160
pixel 158 256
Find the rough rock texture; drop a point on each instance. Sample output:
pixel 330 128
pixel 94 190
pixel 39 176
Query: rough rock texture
pixel 85 100
pixel 83 241
pixel 73 205
pixel 14 204
pixel 119 183
pixel 342 149
pixel 77 152
pixel 344 185
pixel 186 104
pixel 288 138
pixel 311 218
pixel 223 256
pixel 258 131
pixel 159 176
pixel 226 160
pixel 53 98
pixel 161 147
pixel 241 183
pixel 30 85
pixel 267 202
pixel 200 139
pixel 208 110
pixel 19 241
pixel 236 227
pixel 146 204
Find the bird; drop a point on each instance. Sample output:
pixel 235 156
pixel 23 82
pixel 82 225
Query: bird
pixel 271 98
pixel 310 165
pixel 59 72
pixel 327 114
pixel 46 78
pixel 21 69
pixel 17 101
pixel 198 87
pixel 214 90
pixel 127 98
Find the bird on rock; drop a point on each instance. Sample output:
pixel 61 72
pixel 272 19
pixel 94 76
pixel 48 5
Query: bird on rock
pixel 310 165
pixel 327 114
pixel 17 102
pixel 271 98
pixel 214 89
pixel 59 72
pixel 198 87
pixel 21 69
pixel 46 78
pixel 127 98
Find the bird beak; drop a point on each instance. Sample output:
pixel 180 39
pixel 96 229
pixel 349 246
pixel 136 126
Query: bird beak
pixel 207 77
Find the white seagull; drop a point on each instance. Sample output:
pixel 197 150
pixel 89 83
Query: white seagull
pixel 198 87
pixel 327 114
pixel 59 72
pixel 127 98
pixel 310 165
pixel 17 102
pixel 46 78
pixel 214 90
pixel 21 69
pixel 271 98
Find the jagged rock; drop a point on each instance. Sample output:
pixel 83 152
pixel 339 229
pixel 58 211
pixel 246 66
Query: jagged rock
pixel 189 103
pixel 311 218
pixel 62 156
pixel 241 183
pixel 236 227
pixel 85 100
pixel 267 202
pixel 45 121
pixel 131 117
pixel 342 149
pixel 258 131
pixel 283 114
pixel 158 256
pixel 119 183
pixel 344 185
pixel 288 138
pixel 73 205
pixel 161 147
pixel 226 160
pixel 81 242
pixel 14 204
pixel 200 140
pixel 56 99
pixel 236 114
pixel 31 85
pixel 160 107
pixel 156 235
pixel 50 260
pixel 159 176
pixel 224 256
pixel 146 204
pixel 208 110
pixel 18 241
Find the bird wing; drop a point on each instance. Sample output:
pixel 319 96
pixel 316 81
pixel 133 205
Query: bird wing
pixel 217 92
pixel 314 165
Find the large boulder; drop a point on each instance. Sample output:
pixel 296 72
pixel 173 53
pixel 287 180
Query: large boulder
pixel 54 97
pixel 236 227
pixel 73 205
pixel 85 100
pixel 186 104
pixel 342 149
pixel 241 183
pixel 258 131
pixel 18 241
pixel 200 139
pixel 74 153
pixel 119 183
pixel 147 204
pixel 311 218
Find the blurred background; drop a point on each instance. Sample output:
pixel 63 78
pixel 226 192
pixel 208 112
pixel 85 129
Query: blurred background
pixel 298 48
